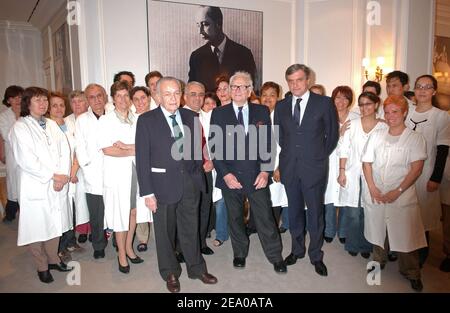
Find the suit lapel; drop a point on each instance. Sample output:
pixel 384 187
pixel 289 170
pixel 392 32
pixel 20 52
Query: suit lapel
pixel 309 109
pixel 165 128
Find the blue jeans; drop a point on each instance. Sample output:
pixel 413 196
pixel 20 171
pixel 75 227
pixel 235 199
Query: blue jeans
pixel 221 220
pixel 285 217
pixel 334 225
pixel 355 240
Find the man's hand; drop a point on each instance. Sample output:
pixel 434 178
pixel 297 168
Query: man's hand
pixel 232 181
pixel 276 176
pixel 208 166
pixel 261 180
pixel 151 203
pixel 376 195
pixel 60 178
pixel 432 186
pixel 342 179
pixel 391 196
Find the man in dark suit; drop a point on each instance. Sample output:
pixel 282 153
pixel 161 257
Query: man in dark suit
pixel 308 133
pixel 170 175
pixel 220 56
pixel 243 165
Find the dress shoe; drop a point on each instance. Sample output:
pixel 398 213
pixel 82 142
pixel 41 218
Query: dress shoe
pixel 320 268
pixel 445 265
pixel 239 262
pixel 392 256
pixel 416 284
pixel 99 254
pixel 250 231
pixel 328 239
pixel 172 283
pixel 342 240
pixel 207 251
pixel 123 269
pixel 136 260
pixel 353 253
pixel 208 279
pixel 291 259
pixel 280 267
pixel 180 257
pixel 365 255
pixel 45 276
pixel 61 267
pixel 82 238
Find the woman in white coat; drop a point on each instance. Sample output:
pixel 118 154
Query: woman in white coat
pixel 434 125
pixel 116 140
pixel 392 161
pixel 77 191
pixel 43 156
pixel 335 213
pixel 350 178
pixel 12 98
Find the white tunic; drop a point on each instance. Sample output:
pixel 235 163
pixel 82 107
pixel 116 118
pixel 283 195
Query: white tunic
pixel 390 165
pixel 434 125
pixel 350 147
pixel 7 120
pixel 77 192
pixel 44 213
pixel 277 191
pixel 333 188
pixel 117 171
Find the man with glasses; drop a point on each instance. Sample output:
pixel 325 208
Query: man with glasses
pixel 219 55
pixel 243 170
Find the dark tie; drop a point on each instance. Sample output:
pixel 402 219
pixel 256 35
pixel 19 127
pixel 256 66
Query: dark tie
pixel 217 53
pixel 177 134
pixel 240 116
pixel 297 112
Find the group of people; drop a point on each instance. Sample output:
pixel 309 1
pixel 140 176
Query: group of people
pixel 187 160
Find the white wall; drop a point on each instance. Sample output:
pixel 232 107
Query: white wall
pixel 20 55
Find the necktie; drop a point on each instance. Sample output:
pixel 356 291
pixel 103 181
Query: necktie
pixel 217 53
pixel 177 134
pixel 240 116
pixel 297 112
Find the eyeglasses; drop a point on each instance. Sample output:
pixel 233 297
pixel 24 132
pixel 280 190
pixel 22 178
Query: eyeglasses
pixel 365 103
pixel 194 94
pixel 424 87
pixel 240 87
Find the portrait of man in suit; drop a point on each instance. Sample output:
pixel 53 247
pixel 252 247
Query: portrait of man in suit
pixel 220 55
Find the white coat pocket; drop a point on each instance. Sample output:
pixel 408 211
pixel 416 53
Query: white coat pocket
pixel 158 170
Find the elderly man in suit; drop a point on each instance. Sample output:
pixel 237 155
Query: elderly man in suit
pixel 219 56
pixel 243 167
pixel 170 175
pixel 308 133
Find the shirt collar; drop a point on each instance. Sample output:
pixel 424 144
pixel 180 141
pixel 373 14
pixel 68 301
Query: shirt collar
pixel 129 119
pixel 221 46
pixel 167 114
pixel 304 98
pixel 244 107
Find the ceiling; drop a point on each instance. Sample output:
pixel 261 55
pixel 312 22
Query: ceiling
pixel 20 11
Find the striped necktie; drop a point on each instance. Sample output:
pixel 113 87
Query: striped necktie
pixel 177 133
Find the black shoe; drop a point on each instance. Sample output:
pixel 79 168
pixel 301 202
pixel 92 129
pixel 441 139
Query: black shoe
pixel 239 262
pixel 99 254
pixel 123 269
pixel 282 230
pixel 328 239
pixel 320 268
pixel 353 253
pixel 136 260
pixel 207 251
pixel 291 259
pixel 392 256
pixel 445 265
pixel 82 238
pixel 416 284
pixel 45 277
pixel 90 237
pixel 280 267
pixel 342 240
pixel 180 257
pixel 365 255
pixel 61 267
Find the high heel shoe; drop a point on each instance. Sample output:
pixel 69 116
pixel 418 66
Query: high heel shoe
pixel 136 260
pixel 123 269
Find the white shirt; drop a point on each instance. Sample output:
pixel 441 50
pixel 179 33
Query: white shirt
pixel 221 48
pixel 244 114
pixel 303 104
pixel 169 120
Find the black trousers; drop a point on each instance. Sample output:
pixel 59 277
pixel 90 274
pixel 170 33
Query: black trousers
pixel 96 209
pixel 298 194
pixel 68 238
pixel 11 209
pixel 205 209
pixel 179 221
pixel 261 209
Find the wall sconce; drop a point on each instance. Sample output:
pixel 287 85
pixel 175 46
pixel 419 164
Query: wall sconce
pixel 377 72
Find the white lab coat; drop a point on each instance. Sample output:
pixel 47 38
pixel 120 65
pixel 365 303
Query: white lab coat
pixel 44 213
pixel 117 171
pixel 436 131
pixel 333 187
pixel 7 120
pixel 350 147
pixel 77 192
pixel 390 165
pixel 89 156
pixel 277 192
